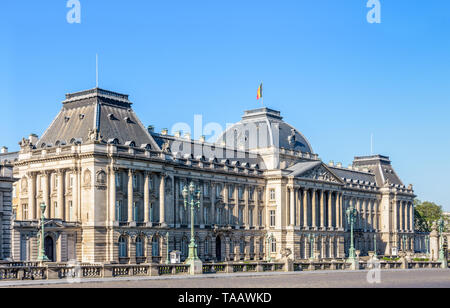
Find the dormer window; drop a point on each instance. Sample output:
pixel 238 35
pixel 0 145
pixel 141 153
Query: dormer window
pixel 131 144
pixel 111 116
pixel 128 120
pixel 81 116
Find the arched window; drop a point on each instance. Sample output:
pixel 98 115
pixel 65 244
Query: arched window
pixel 155 246
pixel 123 251
pixel 139 247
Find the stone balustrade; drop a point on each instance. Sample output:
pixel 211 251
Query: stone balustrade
pixel 37 271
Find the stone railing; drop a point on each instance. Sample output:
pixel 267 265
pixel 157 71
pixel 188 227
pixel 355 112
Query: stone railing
pixel 232 267
pixel 39 271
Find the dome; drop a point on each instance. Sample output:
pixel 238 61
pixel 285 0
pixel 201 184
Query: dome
pixel 262 128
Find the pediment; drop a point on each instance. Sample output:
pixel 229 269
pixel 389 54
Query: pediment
pixel 319 172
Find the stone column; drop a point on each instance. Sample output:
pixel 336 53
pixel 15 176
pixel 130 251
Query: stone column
pixel 130 195
pixel 395 220
pixel 322 209
pixel 112 192
pixel 365 210
pixel 146 197
pixel 292 206
pixel 200 209
pixel 305 207
pixel 46 193
pixel 213 204
pixel 162 199
pixel 60 192
pixel 330 209
pixel 32 195
pixel 411 215
pixel 369 214
pixel 75 193
pixel 314 208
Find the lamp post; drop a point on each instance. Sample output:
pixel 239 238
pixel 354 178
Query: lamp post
pixel 351 216
pixel 442 257
pixel 191 198
pixel 167 248
pixel 41 256
pixel 375 245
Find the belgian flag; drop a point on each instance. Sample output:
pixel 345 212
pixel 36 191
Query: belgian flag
pixel 260 92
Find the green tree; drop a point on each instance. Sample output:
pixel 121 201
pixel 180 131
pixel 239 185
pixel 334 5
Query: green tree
pixel 425 213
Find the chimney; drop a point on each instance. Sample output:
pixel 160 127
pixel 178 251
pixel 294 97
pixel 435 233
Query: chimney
pixel 203 139
pixel 178 134
pixel 151 129
pixel 33 138
pixel 187 136
pixel 165 132
pixel 331 163
pixel 339 165
pixel 4 150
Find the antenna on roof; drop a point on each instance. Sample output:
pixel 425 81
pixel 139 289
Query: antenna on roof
pixel 96 70
pixel 371 144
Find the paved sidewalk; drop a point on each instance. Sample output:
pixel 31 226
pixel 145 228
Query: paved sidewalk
pixel 351 279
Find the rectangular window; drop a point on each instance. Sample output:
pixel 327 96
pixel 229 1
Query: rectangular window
pixel 272 218
pixel 241 193
pixel 230 192
pixel 119 211
pixel 151 212
pixel 274 246
pixel 230 216
pixel 250 217
pixel 25 212
pixel 70 210
pixel 206 189
pixel 272 194
pixel 251 193
pixel 218 190
pixel 56 214
pixel 151 184
pixel 260 218
pixel 136 211
pixel 135 181
pixel 205 215
pixel 241 216
pixel 118 180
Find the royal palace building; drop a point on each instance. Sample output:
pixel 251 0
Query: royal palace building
pixel 113 191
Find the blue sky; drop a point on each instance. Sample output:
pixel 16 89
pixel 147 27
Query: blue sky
pixel 334 76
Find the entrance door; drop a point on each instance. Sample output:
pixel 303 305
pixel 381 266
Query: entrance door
pixel 49 248
pixel 218 249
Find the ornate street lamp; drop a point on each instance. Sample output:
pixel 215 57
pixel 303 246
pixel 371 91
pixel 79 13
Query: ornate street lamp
pixel 442 257
pixel 41 256
pixel 167 248
pixel 351 216
pixel 375 245
pixel 191 197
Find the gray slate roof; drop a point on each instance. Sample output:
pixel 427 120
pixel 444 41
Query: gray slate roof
pixel 108 112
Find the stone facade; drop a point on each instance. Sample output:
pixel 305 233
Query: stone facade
pixel 113 191
pixel 6 209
